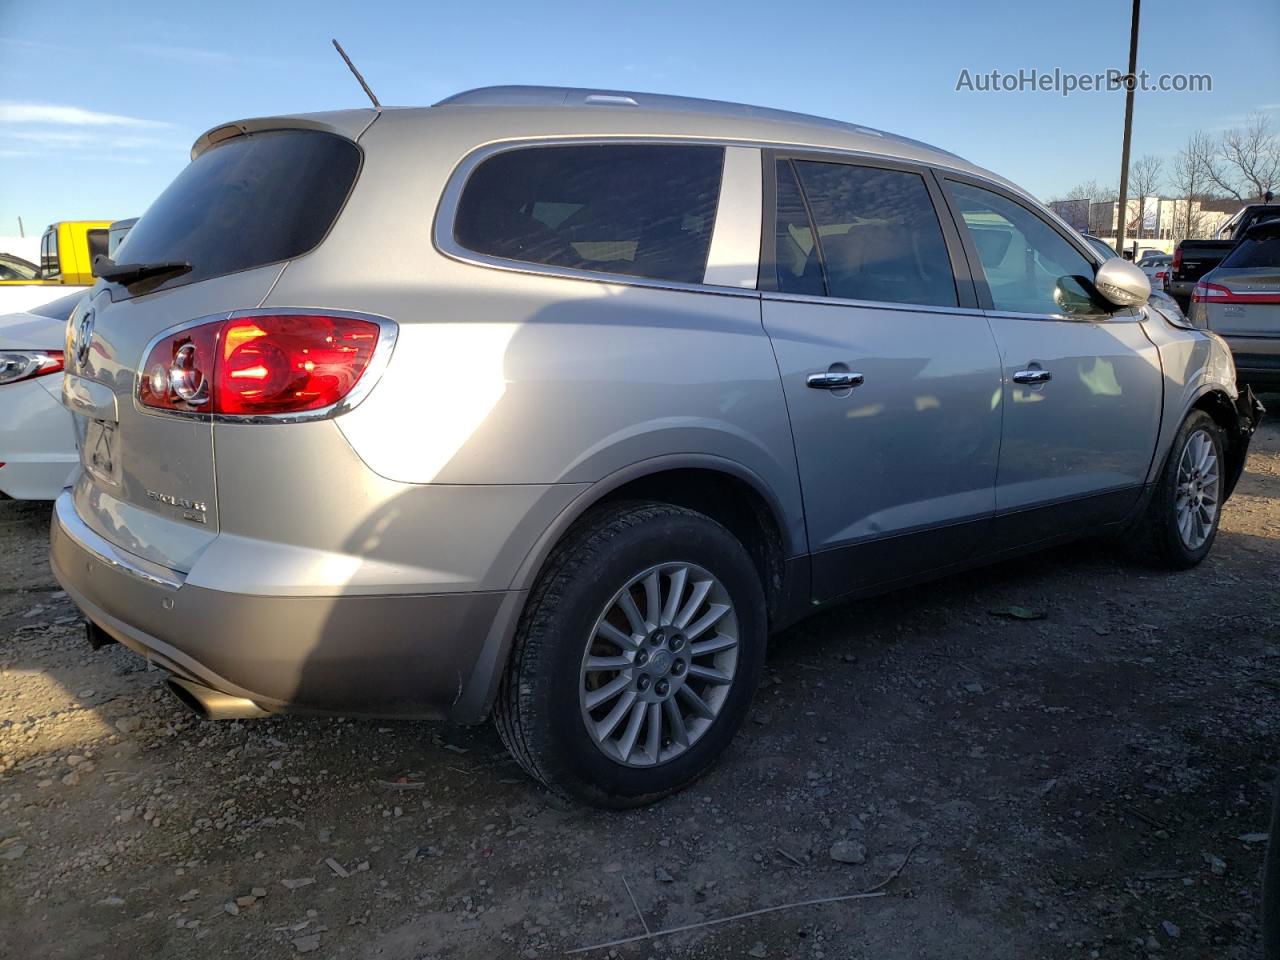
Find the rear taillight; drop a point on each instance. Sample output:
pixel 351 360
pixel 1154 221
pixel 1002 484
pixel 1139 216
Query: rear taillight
pixel 18 365
pixel 1177 259
pixel 258 365
pixel 1208 292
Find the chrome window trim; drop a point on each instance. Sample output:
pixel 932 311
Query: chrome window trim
pixel 446 208
pixel 1123 315
pixel 101 549
pixel 387 332
pixel 871 304
pixel 446 213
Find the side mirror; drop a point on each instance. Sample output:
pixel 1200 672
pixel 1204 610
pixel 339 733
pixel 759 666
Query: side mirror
pixel 1122 283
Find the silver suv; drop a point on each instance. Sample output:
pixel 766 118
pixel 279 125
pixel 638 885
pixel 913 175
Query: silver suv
pixel 553 404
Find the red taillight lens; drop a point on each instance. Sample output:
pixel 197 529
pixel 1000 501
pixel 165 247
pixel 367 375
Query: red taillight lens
pixel 259 365
pixel 1177 259
pixel 1204 292
pixel 18 365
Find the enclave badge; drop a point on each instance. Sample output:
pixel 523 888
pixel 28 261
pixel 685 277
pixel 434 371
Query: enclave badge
pixel 191 509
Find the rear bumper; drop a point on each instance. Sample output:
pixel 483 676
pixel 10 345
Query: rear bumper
pixel 375 655
pixel 1257 360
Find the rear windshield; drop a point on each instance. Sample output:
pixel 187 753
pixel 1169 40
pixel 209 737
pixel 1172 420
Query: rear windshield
pixel 1261 248
pixel 247 202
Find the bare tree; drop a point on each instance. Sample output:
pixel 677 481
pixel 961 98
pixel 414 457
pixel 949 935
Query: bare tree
pixel 1145 176
pixel 1189 181
pixel 1246 163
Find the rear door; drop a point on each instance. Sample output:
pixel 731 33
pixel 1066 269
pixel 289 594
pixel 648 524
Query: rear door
pixel 891 375
pixel 1083 387
pixel 235 215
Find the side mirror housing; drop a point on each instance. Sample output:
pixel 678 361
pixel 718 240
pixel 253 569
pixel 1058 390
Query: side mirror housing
pixel 1122 283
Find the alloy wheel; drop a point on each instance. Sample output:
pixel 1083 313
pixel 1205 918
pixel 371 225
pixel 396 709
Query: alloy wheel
pixel 1198 486
pixel 659 664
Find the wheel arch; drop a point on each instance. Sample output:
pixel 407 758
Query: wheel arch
pixel 1215 401
pixel 728 492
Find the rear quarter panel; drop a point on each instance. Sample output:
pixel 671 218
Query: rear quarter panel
pixel 507 377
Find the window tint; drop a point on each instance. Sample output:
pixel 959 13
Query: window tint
pixel 1023 257
pixel 247 202
pixel 639 210
pixel 879 235
pixel 799 269
pixel 1259 248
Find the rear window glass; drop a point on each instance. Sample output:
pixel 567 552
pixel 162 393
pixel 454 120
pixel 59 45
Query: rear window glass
pixel 1261 248
pixel 247 202
pixel 640 210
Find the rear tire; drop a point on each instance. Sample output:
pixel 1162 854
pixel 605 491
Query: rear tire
pixel 625 628
pixel 1181 521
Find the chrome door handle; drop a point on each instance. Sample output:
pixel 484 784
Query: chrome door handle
pixel 834 380
pixel 1032 376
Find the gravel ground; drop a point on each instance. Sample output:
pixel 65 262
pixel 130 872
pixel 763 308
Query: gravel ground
pixel 1087 784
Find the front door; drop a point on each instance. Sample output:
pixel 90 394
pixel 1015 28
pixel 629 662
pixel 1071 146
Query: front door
pixel 1083 385
pixel 891 374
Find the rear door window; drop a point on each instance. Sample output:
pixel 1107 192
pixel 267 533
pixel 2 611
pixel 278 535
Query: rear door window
pixel 247 202
pixel 638 210
pixel 879 237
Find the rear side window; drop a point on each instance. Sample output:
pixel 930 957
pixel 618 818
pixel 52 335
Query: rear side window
pixel 1259 248
pixel 247 202
pixel 878 234
pixel 639 210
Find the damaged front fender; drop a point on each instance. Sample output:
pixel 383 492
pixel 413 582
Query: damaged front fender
pixel 1248 414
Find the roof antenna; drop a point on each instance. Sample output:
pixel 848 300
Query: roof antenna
pixel 352 67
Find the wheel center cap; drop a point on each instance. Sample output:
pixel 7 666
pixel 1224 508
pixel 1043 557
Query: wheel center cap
pixel 661 661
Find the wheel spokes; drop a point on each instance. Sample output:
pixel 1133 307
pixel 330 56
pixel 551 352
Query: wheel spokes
pixel 649 694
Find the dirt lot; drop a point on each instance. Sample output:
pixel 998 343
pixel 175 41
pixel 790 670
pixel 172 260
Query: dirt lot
pixel 1085 785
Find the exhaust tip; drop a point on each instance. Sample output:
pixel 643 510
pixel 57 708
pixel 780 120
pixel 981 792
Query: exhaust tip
pixel 210 704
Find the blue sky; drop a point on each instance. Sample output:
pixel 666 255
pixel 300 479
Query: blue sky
pixel 99 102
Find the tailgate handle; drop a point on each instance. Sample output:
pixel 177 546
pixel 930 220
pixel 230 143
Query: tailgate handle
pixel 96 401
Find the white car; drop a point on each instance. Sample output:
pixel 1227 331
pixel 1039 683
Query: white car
pixel 37 434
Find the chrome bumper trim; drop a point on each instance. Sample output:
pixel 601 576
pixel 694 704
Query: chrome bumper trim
pixel 65 515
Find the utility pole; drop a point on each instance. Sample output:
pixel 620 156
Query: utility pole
pixel 1131 82
pixel 21 232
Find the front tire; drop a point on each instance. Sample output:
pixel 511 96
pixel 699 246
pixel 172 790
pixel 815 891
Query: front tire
pixel 636 657
pixel 1181 521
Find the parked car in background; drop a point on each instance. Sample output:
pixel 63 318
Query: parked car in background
pixel 1192 259
pixel 16 268
pixel 1152 263
pixel 67 249
pixel 37 433
pixel 1240 301
pixel 1245 218
pixel 667 376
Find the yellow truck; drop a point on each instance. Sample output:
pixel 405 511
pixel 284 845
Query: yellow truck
pixel 67 249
